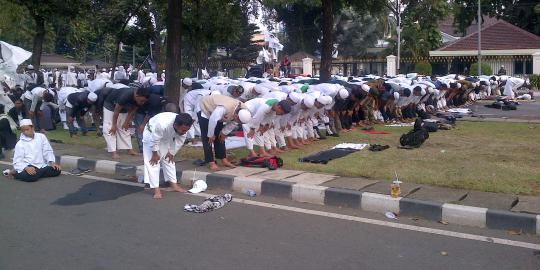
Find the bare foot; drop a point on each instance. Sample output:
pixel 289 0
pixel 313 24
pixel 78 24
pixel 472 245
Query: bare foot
pixel 176 188
pixel 227 163
pixel 157 194
pixel 252 154
pixel 272 151
pixel 115 155
pixel 265 154
pixel 279 151
pixel 132 152
pixel 213 166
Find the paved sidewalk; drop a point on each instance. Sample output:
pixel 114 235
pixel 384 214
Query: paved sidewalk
pixel 464 207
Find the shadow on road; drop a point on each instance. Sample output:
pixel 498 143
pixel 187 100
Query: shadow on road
pixel 96 192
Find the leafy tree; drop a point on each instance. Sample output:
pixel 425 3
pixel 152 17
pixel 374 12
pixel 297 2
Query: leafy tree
pixel 46 11
pixel 518 12
pixel 355 32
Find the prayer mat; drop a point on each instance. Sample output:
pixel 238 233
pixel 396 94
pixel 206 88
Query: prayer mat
pixel 372 131
pixel 324 156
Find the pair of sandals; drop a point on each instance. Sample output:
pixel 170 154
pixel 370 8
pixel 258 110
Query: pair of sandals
pixel 378 147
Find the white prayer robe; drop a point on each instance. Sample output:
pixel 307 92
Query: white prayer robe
pixel 32 151
pixel 159 135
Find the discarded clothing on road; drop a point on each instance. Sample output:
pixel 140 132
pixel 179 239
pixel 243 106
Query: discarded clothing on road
pixel 210 204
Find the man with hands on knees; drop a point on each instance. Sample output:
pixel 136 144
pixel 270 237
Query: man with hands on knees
pixel 163 136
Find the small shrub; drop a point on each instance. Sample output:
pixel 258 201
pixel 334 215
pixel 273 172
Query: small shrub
pixel 423 68
pixel 486 69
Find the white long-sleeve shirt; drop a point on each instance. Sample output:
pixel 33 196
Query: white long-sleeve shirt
pixel 261 111
pixel 191 101
pixel 160 134
pixel 32 151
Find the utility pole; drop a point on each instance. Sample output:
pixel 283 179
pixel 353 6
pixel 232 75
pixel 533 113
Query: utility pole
pixel 133 49
pixel 398 8
pixel 479 19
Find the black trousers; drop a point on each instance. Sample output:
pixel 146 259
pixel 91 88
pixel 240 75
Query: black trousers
pixel 219 147
pixel 47 171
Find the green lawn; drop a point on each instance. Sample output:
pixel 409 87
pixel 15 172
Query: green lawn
pixel 484 156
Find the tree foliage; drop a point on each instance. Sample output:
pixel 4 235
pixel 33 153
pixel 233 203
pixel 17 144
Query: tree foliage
pixel 518 12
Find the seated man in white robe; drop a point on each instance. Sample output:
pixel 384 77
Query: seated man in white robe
pixel 163 136
pixel 33 157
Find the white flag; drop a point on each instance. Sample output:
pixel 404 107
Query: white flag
pixel 11 58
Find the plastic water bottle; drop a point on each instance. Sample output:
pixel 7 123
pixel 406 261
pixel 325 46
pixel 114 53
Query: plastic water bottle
pixel 249 192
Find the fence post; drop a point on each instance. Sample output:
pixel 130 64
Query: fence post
pixel 391 65
pixel 536 62
pixel 307 66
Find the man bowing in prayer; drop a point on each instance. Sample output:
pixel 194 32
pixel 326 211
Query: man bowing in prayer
pixel 33 158
pixel 163 136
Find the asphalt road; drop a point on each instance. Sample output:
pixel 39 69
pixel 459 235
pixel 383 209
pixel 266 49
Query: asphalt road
pixel 75 223
pixel 526 110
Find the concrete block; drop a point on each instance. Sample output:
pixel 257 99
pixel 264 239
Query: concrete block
pixel 464 215
pixel 383 187
pixel 308 193
pixel 126 169
pixel 438 194
pixel 527 204
pixel 275 188
pixel 506 220
pixel 84 163
pixel 106 166
pixel 417 208
pixel 140 170
pixel 350 183
pixel 379 203
pixel 490 200
pixel 69 162
pixel 537 224
pixel 310 178
pixel 243 171
pixel 241 182
pixel 220 181
pixel 189 176
pixel 341 197
pixel 277 174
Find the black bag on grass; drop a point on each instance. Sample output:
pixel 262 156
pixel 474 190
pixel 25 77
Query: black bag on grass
pixel 431 126
pixel 415 137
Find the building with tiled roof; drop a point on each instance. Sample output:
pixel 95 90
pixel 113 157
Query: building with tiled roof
pixel 502 44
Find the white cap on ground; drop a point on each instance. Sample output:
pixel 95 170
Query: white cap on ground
pixel 365 87
pixel 198 186
pixel 244 116
pixel 295 97
pixel 25 122
pixel 343 93
pixel 187 81
pixel 309 101
pixel 92 96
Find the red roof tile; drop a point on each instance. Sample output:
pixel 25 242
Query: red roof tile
pixel 447 26
pixel 498 36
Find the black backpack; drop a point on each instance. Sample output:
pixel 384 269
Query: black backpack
pixel 415 137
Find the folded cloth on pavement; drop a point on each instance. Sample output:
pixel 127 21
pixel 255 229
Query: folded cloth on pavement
pixel 401 125
pixel 460 110
pixel 210 204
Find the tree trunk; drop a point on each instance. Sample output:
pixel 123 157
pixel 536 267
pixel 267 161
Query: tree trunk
pixel 174 57
pixel 39 37
pixel 327 42
pixel 116 53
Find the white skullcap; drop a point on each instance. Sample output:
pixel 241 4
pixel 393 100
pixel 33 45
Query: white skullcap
pixel 215 92
pixel 422 92
pixel 325 100
pixel 309 101
pixel 92 96
pixel 187 81
pixel 30 67
pixel 458 85
pixel 103 70
pixel 295 97
pixel 365 87
pixel 396 95
pixel 430 90
pixel 260 89
pixel 343 93
pixel 25 122
pixel 244 116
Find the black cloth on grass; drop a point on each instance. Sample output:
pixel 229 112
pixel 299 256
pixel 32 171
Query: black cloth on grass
pixel 324 156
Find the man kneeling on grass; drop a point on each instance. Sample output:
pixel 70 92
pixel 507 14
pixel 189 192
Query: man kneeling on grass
pixel 163 136
pixel 33 157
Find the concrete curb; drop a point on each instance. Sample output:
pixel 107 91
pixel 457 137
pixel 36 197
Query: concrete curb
pixel 335 197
